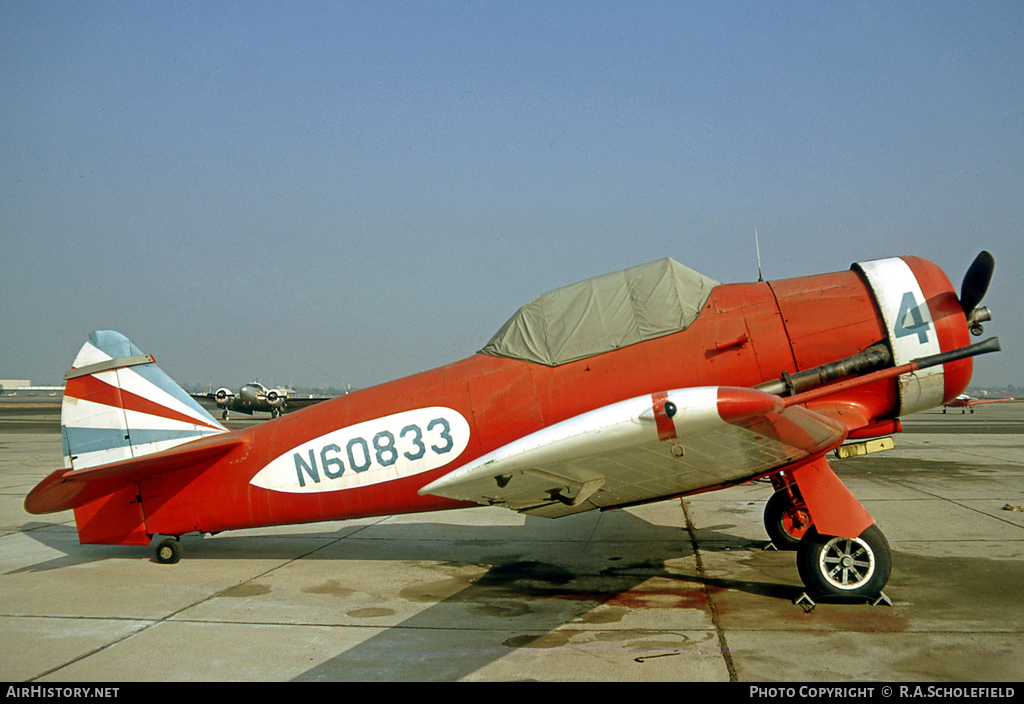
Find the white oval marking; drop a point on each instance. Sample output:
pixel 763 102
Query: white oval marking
pixel 374 451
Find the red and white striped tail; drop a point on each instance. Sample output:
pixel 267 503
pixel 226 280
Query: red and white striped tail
pixel 119 404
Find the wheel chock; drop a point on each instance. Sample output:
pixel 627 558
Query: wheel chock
pixel 808 604
pixel 882 599
pixel 805 601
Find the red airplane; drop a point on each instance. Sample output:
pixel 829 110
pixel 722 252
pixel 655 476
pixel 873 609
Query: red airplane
pixel 632 387
pixel 963 402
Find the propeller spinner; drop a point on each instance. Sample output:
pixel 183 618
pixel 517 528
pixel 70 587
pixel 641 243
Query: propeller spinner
pixel 973 289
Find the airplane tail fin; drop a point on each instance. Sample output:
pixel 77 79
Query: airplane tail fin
pixel 118 404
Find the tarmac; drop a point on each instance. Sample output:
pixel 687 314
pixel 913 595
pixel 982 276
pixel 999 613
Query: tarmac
pixel 681 590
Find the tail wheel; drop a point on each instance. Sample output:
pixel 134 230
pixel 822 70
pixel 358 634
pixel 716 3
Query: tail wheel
pixel 785 522
pixel 845 567
pixel 168 551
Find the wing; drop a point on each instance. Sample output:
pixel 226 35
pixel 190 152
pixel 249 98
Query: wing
pixel 293 403
pixel 980 402
pixel 642 449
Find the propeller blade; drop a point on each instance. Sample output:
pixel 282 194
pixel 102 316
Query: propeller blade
pixel 976 281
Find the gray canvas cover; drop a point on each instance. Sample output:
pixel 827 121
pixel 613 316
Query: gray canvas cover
pixel 603 314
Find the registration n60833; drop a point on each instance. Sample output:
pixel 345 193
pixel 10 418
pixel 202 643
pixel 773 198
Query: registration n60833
pixel 371 452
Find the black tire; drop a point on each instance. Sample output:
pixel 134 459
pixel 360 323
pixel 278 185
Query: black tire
pixel 168 551
pixel 785 523
pixel 856 568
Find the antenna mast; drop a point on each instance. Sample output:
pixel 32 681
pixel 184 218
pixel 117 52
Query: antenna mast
pixel 758 248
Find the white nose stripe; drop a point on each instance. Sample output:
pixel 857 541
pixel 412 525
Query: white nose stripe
pixel 911 330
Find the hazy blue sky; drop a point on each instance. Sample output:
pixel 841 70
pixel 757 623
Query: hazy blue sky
pixel 371 188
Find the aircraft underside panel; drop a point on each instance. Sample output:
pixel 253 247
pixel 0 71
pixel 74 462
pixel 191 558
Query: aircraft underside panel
pixel 646 448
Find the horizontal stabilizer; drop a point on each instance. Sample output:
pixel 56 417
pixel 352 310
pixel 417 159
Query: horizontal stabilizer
pixel 66 489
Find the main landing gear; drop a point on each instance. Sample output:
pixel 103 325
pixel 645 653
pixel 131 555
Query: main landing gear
pixel 845 567
pixel 829 566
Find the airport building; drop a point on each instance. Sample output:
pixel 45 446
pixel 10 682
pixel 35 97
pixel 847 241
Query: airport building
pixel 23 387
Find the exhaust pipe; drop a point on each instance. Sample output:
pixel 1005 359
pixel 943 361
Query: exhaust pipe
pixel 873 361
pixel 989 345
pixel 875 357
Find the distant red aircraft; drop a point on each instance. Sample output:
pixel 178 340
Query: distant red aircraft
pixel 964 402
pixel 637 386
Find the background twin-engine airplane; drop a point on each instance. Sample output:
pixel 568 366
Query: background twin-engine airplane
pixel 253 397
pixel 637 386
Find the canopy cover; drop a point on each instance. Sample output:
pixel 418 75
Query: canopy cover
pixel 603 314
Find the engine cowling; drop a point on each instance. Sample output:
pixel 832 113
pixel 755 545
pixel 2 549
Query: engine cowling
pixel 223 396
pixel 923 317
pixel 276 398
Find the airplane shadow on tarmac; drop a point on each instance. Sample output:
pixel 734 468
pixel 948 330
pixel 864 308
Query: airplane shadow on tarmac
pixel 551 596
pixel 530 593
pixel 550 599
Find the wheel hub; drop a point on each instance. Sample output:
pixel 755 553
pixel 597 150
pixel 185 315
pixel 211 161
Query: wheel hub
pixel 847 563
